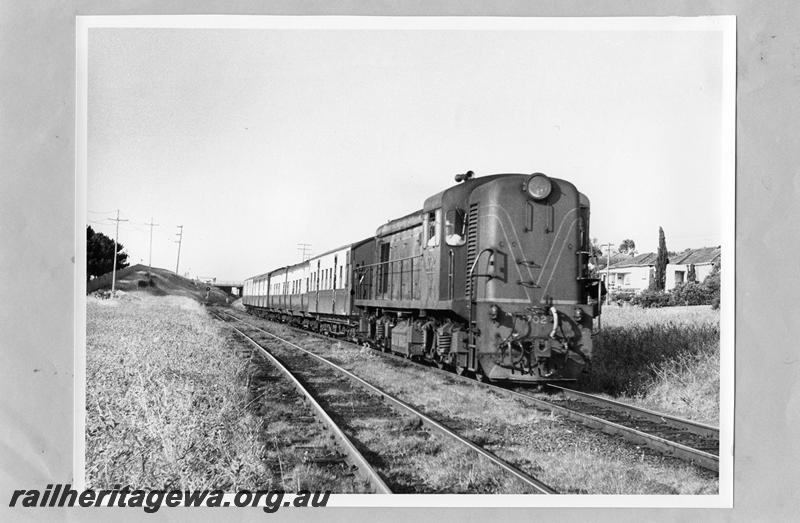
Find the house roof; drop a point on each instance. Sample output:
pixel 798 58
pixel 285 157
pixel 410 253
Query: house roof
pixel 640 260
pixel 616 257
pixel 697 256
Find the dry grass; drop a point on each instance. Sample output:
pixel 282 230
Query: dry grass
pixel 665 359
pixel 164 399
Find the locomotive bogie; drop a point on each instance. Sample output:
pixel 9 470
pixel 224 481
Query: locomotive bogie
pixel 408 339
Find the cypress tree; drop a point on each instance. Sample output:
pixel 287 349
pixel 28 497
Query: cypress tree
pixel 661 262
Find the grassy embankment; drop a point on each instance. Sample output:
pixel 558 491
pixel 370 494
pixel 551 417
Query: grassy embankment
pixel 164 399
pixel 665 359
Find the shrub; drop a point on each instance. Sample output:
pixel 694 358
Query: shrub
pixel 690 293
pixel 711 284
pixel 620 297
pixel 649 298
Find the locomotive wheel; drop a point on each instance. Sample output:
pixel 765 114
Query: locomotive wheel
pixel 480 376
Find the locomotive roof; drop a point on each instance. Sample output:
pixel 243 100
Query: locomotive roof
pixel 456 191
pixel 346 246
pixel 400 224
pixel 435 201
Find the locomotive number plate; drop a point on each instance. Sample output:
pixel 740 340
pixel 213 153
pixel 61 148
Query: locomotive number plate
pixel 541 319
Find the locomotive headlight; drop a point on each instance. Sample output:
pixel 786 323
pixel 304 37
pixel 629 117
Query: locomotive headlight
pixel 539 186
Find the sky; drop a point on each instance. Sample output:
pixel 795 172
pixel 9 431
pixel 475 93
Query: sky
pixel 256 140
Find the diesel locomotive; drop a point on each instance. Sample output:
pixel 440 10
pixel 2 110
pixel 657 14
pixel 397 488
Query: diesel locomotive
pixel 491 278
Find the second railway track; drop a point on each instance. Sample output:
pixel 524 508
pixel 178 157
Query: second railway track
pixel 369 416
pixel 685 439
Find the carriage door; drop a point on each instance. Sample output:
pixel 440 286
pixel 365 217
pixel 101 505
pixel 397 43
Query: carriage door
pixel 316 290
pixel 333 292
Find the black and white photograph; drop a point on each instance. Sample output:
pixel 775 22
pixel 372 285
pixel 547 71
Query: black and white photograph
pixel 407 261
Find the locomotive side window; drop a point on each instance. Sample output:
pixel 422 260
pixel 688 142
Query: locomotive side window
pixel 433 228
pixel 454 227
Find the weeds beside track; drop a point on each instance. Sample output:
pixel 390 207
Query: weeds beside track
pixel 663 359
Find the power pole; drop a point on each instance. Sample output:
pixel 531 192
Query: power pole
pixel 114 269
pixel 608 266
pixel 150 260
pixel 179 234
pixel 304 248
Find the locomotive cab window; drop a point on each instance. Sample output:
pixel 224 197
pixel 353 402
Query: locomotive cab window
pixel 454 227
pixel 433 228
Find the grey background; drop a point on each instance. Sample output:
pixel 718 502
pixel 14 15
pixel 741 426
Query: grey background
pixel 37 80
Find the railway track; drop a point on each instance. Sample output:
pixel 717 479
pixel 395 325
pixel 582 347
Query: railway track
pixel 349 403
pixel 349 451
pixel 667 435
pixel 686 439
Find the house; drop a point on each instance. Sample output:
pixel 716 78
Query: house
pixel 679 266
pixel 637 272
pixel 632 273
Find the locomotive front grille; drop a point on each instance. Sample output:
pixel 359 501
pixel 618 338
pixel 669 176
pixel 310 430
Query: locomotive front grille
pixel 472 244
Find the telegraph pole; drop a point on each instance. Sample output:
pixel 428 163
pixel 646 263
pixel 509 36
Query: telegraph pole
pixel 150 260
pixel 179 234
pixel 608 266
pixel 114 269
pixel 304 248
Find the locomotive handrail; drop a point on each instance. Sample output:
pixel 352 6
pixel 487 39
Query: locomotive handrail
pixel 470 309
pixel 386 275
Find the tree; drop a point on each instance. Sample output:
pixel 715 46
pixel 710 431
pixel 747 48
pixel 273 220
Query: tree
pixel 661 262
pixel 712 284
pixel 100 254
pixel 596 250
pixel 691 275
pixel 627 247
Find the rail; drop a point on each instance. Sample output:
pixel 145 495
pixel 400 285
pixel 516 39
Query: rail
pixel 429 422
pixel 693 427
pixel 363 466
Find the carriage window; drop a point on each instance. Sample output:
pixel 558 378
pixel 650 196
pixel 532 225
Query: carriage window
pixel 454 229
pixel 433 228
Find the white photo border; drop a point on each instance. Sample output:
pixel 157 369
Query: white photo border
pixel 724 24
